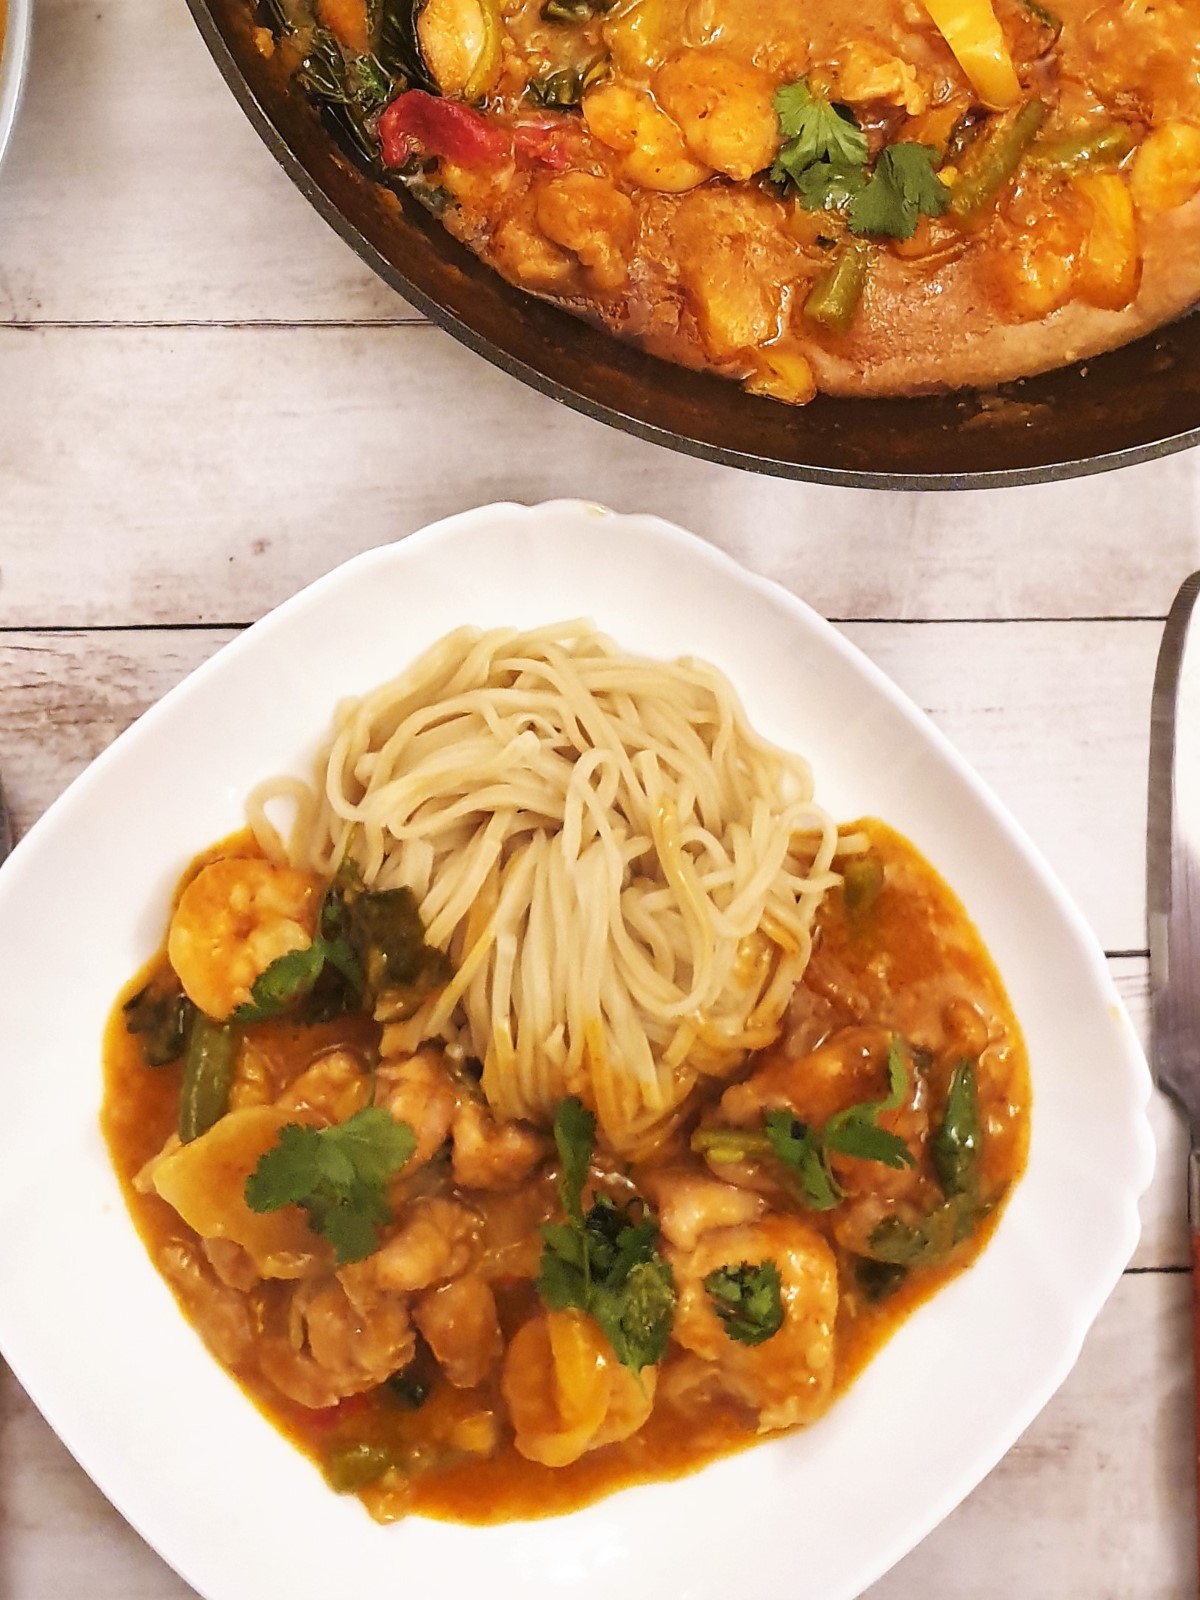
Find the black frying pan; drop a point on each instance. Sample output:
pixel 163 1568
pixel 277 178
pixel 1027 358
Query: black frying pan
pixel 1133 404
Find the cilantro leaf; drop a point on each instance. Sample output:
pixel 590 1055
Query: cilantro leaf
pixel 747 1300
pixel 902 188
pixel 829 185
pixel 815 130
pixel 856 1131
pixel 575 1137
pixel 956 1144
pixel 604 1260
pixel 798 1148
pixel 289 977
pixel 339 1175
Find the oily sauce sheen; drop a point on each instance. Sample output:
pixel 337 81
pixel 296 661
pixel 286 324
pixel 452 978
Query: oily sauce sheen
pixel 908 963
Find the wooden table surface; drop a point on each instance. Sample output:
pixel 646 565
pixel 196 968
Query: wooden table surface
pixel 206 401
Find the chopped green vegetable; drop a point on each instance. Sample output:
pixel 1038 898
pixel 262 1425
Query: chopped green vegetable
pixel 924 1243
pixel 814 130
pixel 367 943
pixel 387 937
pixel 408 1389
pixel 957 1145
pixel 856 1131
pixel 162 1019
pixel 746 1298
pixel 878 1280
pixel 207 1076
pixel 830 185
pixel 339 1175
pixel 563 89
pixel 834 296
pixel 604 1260
pixel 1047 18
pixel 394 24
pixel 862 884
pixel 991 159
pixel 902 188
pixel 355 1466
pixel 574 10
pixel 1105 147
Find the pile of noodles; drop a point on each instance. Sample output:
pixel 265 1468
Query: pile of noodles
pixel 623 873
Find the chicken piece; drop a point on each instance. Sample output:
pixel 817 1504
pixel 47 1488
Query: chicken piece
pixel 724 109
pixel 221 1314
pixel 333 1087
pixel 492 1155
pixel 460 1325
pixel 437 1240
pixel 864 72
pixel 233 1265
pixel 332 1349
pixel 418 1090
pixel 788 1378
pixel 689 1204
pixel 734 263
pixel 592 218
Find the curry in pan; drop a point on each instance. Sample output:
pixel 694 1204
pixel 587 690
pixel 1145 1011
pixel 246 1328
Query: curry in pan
pixel 880 197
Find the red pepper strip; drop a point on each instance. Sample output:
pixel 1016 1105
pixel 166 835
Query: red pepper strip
pixel 439 128
pixel 543 144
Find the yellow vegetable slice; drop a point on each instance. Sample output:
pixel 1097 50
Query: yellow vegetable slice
pixel 973 32
pixel 460 40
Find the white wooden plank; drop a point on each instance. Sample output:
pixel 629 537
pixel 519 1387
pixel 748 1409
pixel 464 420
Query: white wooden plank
pixel 1094 1503
pixel 190 474
pixel 136 190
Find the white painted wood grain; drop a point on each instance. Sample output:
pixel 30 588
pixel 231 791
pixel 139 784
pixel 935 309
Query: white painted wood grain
pixel 136 190
pixel 1094 1502
pixel 203 474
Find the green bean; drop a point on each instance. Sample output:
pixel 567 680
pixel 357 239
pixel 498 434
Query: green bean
pixel 1042 14
pixel 207 1076
pixel 731 1144
pixel 1106 147
pixel 992 159
pixel 833 298
pixel 354 1467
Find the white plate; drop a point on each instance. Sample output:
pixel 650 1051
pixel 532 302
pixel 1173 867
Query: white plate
pixel 92 1331
pixel 14 62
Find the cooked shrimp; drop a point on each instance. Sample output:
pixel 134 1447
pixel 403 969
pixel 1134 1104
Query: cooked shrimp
pixel 437 1240
pixel 460 1325
pixel 234 919
pixel 418 1090
pixel 789 1377
pixel 689 1205
pixel 567 1393
pixel 331 1349
pixel 489 1154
